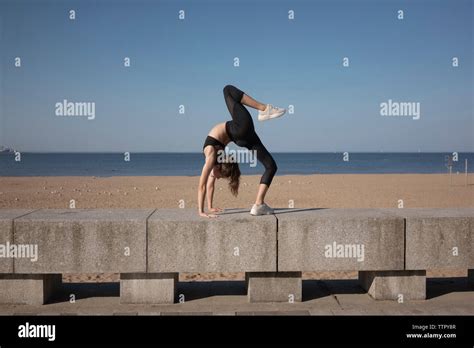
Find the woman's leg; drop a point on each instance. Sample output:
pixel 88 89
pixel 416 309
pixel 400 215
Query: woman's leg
pixel 262 191
pixel 266 111
pixel 241 123
pixel 234 95
pixel 271 168
pixel 243 131
pixel 249 101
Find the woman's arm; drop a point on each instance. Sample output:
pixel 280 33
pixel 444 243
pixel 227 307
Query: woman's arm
pixel 211 181
pixel 206 170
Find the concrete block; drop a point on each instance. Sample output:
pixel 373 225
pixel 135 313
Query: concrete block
pixel 274 286
pixel 84 241
pixel 148 288
pixel 390 285
pixel 6 236
pixel 31 289
pixel 339 240
pixel 439 238
pixel 181 241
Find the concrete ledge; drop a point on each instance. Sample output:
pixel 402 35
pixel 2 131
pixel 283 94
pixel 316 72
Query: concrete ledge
pixel 181 241
pixel 6 235
pixel 339 240
pixel 84 241
pixel 148 288
pixel 32 289
pixel 390 285
pixel 439 238
pixel 391 249
pixel 274 286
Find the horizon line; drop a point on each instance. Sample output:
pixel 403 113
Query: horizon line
pixel 199 152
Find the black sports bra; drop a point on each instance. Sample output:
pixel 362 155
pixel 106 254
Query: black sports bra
pixel 212 141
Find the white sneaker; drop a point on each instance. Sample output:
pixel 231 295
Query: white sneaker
pixel 261 209
pixel 270 112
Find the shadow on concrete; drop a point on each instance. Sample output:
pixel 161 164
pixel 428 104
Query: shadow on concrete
pixel 203 289
pixel 314 289
pixel 279 211
pixel 234 211
pixel 436 287
pixel 85 290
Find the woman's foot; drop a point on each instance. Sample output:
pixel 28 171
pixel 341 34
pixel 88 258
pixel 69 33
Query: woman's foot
pixel 261 209
pixel 270 112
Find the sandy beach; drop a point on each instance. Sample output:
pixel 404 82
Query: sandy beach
pixel 324 191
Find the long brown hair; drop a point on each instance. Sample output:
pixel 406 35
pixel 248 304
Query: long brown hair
pixel 231 171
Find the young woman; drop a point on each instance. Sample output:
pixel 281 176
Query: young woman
pixel 241 131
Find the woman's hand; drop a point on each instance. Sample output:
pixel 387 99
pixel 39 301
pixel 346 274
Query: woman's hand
pixel 216 210
pixel 207 215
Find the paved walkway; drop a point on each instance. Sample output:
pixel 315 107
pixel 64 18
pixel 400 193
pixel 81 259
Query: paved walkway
pixel 448 296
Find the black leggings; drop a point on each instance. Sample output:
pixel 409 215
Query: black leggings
pixel 242 132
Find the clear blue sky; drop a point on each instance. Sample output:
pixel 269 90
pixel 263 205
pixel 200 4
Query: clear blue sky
pixel 282 62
